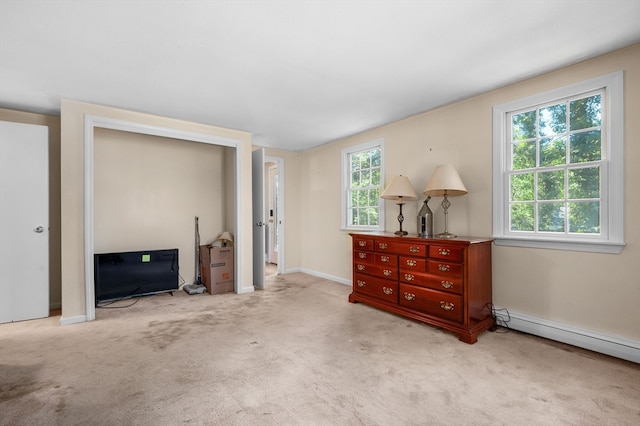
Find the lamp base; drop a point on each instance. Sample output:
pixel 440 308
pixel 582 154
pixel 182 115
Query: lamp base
pixel 446 235
pixel 400 220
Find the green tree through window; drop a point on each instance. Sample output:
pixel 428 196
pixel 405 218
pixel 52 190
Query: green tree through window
pixel 558 168
pixel 365 188
pixel 363 178
pixel 555 173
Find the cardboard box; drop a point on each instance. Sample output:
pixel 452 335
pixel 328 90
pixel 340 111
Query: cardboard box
pixel 217 269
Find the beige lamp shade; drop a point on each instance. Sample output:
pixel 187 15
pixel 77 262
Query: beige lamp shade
pixel 399 189
pixel 445 181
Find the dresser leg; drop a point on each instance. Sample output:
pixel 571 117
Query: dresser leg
pixel 468 338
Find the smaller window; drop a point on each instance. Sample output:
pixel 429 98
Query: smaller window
pixel 362 180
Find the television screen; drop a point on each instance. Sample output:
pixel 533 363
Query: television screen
pixel 136 273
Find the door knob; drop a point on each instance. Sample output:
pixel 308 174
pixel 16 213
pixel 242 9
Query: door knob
pixel 39 229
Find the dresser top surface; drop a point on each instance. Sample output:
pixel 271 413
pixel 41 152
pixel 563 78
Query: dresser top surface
pixel 414 238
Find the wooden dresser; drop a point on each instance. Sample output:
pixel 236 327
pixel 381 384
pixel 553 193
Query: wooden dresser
pixel 442 282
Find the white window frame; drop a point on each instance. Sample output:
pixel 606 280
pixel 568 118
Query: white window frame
pixel 611 238
pixel 346 152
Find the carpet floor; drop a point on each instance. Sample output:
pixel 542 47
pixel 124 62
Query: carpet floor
pixel 296 353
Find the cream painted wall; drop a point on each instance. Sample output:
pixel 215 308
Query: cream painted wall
pixel 598 292
pixel 72 178
pixel 53 122
pixel 148 190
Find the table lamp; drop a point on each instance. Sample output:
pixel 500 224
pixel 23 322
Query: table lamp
pixel 401 190
pixel 445 182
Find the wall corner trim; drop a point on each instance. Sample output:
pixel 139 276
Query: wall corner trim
pixel 73 320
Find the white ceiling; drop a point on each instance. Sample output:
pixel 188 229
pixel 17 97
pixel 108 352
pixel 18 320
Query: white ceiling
pixel 296 74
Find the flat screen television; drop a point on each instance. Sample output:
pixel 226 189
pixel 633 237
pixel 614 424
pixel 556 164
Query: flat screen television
pixel 134 273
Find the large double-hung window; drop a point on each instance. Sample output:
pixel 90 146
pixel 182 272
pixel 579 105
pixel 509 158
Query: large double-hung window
pixel 362 181
pixel 558 168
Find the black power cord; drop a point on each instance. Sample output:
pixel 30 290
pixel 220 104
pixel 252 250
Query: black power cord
pixel 107 305
pixel 500 316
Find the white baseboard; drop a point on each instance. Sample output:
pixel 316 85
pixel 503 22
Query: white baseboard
pixel 73 320
pixel 618 347
pixel 322 275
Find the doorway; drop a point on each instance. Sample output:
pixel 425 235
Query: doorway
pixel 273 201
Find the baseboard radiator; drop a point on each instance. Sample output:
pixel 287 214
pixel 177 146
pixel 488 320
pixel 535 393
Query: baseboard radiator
pixel 606 344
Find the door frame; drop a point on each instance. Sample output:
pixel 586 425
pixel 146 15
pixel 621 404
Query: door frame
pixel 93 121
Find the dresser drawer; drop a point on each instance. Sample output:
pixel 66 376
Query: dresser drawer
pixel 446 253
pixel 386 259
pixel 385 246
pixel 375 258
pixel 448 284
pixel 376 287
pixel 413 277
pixel 438 303
pixel 448 269
pixel 414 264
pixel 436 282
pixel 363 256
pixel 360 243
pixel 388 272
pixel 412 249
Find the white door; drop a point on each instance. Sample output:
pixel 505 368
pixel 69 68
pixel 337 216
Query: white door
pixel 24 221
pixel 258 217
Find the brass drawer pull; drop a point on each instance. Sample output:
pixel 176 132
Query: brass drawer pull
pixel 361 283
pixel 446 284
pixel 387 290
pixel 409 277
pixel 443 268
pixel 383 246
pixel 447 306
pixel 414 249
pixel 362 255
pixel 361 267
pixel 387 273
pixel 362 243
pixel 411 262
pixel 409 296
pixel 444 252
pixel 384 259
